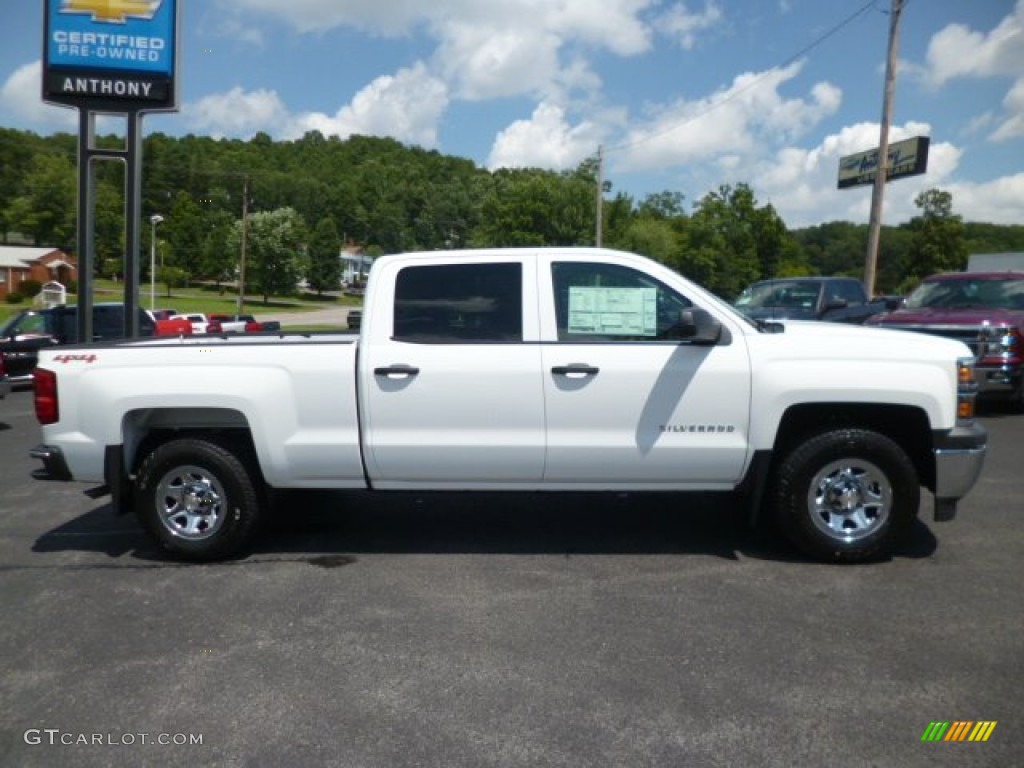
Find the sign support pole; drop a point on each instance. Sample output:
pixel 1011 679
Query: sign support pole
pixel 146 49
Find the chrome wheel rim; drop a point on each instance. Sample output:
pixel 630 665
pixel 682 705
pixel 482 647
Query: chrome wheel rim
pixel 190 503
pixel 849 499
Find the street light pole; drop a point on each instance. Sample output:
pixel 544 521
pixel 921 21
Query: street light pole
pixel 155 219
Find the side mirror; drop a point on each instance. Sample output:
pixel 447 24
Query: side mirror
pixel 698 327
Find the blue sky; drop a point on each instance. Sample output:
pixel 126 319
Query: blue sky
pixel 682 96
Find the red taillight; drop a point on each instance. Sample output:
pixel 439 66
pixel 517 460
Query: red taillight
pixel 44 384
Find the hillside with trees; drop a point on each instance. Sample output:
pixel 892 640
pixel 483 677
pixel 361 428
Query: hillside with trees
pixel 307 198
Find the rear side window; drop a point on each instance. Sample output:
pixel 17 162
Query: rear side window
pixel 459 303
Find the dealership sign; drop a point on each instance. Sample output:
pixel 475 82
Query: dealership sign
pixel 111 55
pixel 906 158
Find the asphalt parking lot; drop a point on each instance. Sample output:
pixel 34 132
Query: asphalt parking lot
pixel 491 630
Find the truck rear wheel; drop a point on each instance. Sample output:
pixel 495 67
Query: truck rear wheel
pixel 197 498
pixel 849 495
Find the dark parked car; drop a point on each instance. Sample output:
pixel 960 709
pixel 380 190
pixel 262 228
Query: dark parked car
pixel 835 299
pixel 355 319
pixel 5 380
pixel 24 334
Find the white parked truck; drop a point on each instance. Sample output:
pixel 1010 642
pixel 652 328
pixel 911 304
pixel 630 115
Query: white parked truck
pixel 543 369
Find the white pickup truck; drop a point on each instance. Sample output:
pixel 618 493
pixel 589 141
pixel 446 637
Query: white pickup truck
pixel 544 369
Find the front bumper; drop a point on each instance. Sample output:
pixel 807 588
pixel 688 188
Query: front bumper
pixel 959 458
pixel 997 378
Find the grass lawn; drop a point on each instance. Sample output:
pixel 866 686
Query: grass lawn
pixel 205 299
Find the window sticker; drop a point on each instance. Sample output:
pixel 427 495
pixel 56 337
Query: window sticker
pixel 613 311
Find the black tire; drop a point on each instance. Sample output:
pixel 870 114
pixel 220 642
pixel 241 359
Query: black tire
pixel 849 495
pixel 198 499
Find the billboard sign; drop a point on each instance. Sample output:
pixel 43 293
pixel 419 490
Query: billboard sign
pixel 111 55
pixel 906 158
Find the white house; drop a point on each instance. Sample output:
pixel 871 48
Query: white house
pixel 355 265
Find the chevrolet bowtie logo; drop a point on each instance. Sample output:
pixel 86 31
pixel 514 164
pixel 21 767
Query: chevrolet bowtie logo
pixel 115 11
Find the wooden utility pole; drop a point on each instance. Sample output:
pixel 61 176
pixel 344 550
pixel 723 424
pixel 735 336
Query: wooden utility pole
pixel 241 258
pixel 882 167
pixel 598 226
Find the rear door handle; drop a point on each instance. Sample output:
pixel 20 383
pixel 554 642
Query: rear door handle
pixel 396 370
pixel 576 370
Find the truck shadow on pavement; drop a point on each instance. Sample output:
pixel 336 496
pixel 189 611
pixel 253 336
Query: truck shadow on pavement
pixel 336 527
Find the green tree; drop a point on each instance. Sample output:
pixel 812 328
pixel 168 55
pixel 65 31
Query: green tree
pixel 219 253
pixel 938 243
pixel 275 241
pixel 46 209
pixel 183 231
pixel 324 271
pixel 654 238
pixel 109 228
pixel 172 277
pixel 533 207
pixel 724 252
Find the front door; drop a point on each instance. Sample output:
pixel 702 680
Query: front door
pixel 628 406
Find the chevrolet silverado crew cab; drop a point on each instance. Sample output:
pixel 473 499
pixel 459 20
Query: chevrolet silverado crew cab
pixel 522 370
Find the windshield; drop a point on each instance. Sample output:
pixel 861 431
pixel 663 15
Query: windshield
pixel 968 293
pixel 791 294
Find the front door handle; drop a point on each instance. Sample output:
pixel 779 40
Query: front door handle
pixel 396 370
pixel 576 370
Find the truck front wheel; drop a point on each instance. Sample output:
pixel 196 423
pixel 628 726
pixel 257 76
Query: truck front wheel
pixel 197 498
pixel 849 495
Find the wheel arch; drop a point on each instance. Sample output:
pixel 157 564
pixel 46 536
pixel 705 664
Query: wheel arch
pixel 907 426
pixel 143 430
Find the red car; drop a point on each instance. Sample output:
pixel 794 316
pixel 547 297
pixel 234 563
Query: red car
pixel 221 323
pixel 985 310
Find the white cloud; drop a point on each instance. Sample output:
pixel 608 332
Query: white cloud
pixel 406 106
pixel 958 51
pixel 1013 126
pixel 485 64
pixel 236 113
pixel 743 118
pixel 546 140
pixel 998 202
pixel 486 50
pixel 683 26
pixel 21 95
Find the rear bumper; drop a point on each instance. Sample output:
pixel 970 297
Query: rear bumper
pixel 959 458
pixel 55 467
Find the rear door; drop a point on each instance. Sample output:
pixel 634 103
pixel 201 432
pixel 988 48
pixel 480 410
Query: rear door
pixel 451 389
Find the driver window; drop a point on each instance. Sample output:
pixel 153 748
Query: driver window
pixel 607 302
pixel 31 324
